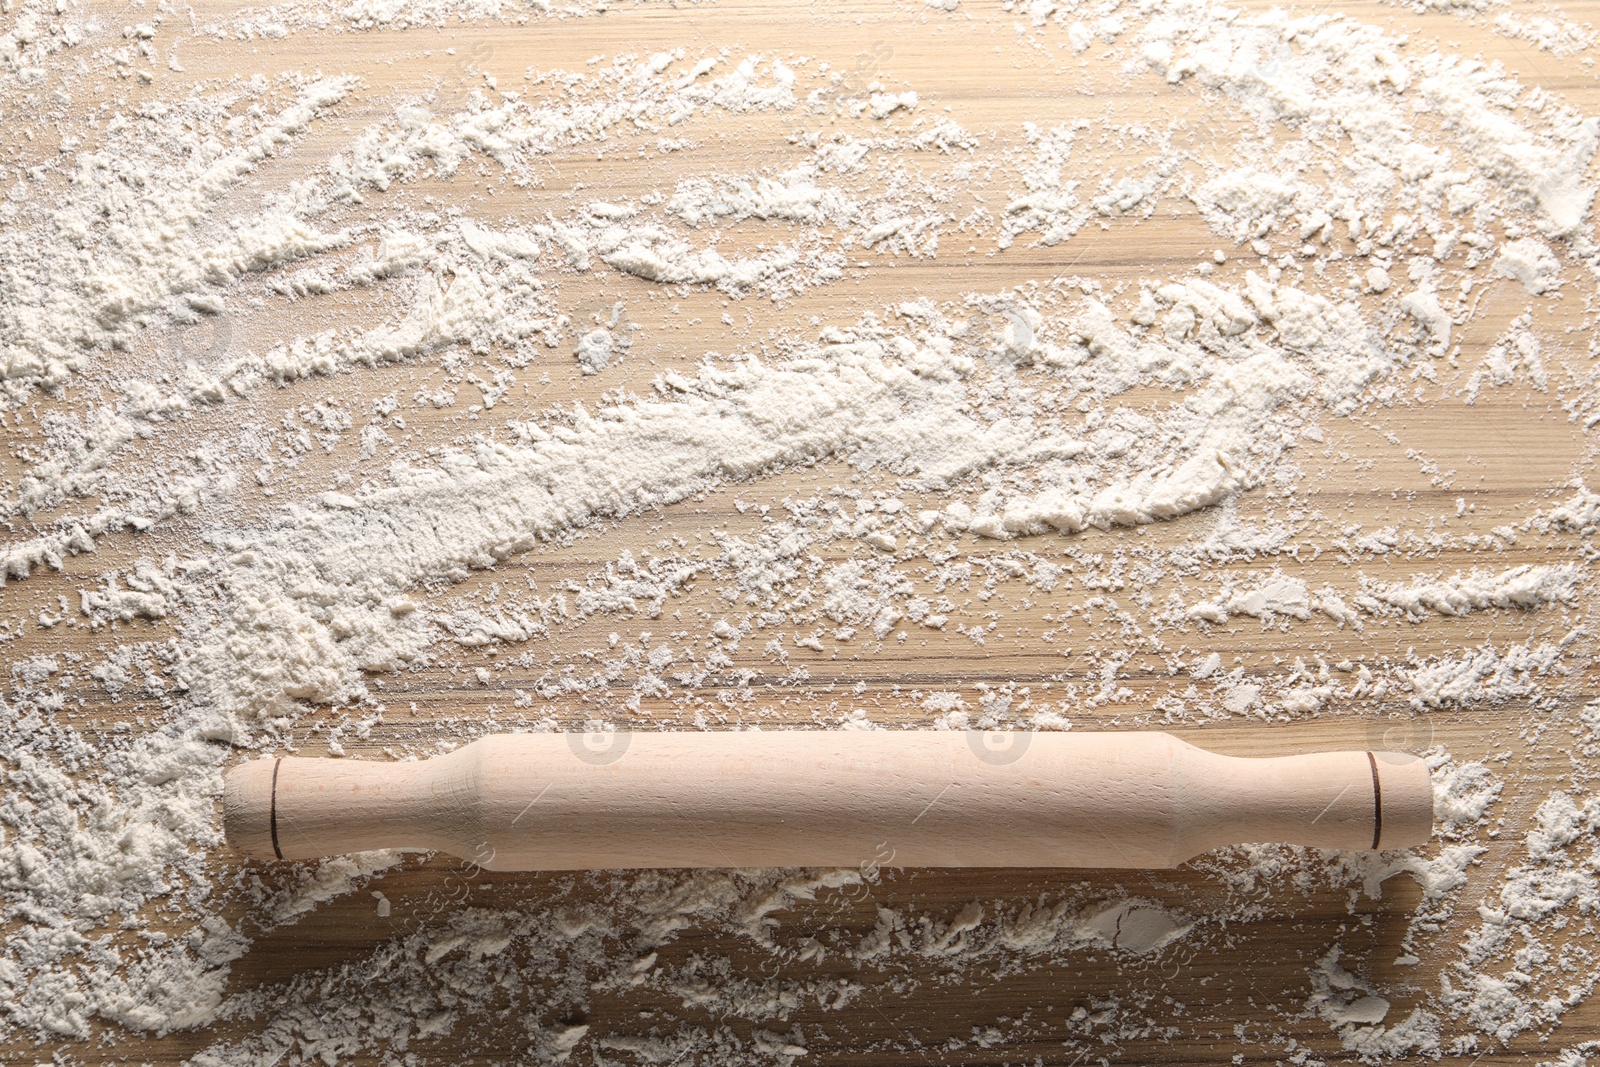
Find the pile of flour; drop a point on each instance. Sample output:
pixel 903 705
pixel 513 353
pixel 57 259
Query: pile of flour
pixel 294 403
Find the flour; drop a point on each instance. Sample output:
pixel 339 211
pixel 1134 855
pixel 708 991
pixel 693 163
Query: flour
pixel 295 405
pixel 1134 926
pixel 1552 880
pixel 595 350
pixel 1517 352
pixel 1340 998
pixel 1557 34
pixel 1549 30
pixel 83 303
pixel 1486 675
pixel 282 20
pixel 467 959
pixel 1520 587
pixel 1281 596
pixel 1463 795
pixel 1530 262
pixel 38 31
pixel 1277 595
pixel 1580 514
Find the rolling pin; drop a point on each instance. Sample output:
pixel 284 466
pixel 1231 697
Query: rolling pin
pixel 526 802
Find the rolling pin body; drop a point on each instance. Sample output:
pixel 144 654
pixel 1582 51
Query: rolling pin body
pixel 827 798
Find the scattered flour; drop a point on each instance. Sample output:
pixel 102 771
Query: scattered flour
pixel 1530 262
pixel 247 581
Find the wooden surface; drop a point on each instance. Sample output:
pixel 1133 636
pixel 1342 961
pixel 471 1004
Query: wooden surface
pixel 1507 456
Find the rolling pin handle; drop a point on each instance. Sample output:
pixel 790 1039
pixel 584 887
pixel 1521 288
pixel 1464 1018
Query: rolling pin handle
pixel 815 798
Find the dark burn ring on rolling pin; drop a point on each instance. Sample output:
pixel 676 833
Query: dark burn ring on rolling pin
pixel 1378 802
pixel 273 815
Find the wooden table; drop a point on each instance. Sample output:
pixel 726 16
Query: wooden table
pixel 1230 988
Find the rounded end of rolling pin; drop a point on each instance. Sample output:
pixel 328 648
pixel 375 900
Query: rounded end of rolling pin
pixel 248 793
pixel 1404 791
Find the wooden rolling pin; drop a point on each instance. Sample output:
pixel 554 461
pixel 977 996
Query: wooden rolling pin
pixel 516 802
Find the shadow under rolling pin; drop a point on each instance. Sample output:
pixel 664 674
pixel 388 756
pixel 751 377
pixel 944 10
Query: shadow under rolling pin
pixel 524 802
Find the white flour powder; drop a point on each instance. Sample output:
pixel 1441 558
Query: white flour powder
pixel 325 400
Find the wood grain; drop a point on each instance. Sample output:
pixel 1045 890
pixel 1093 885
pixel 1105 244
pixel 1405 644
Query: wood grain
pixel 1238 990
